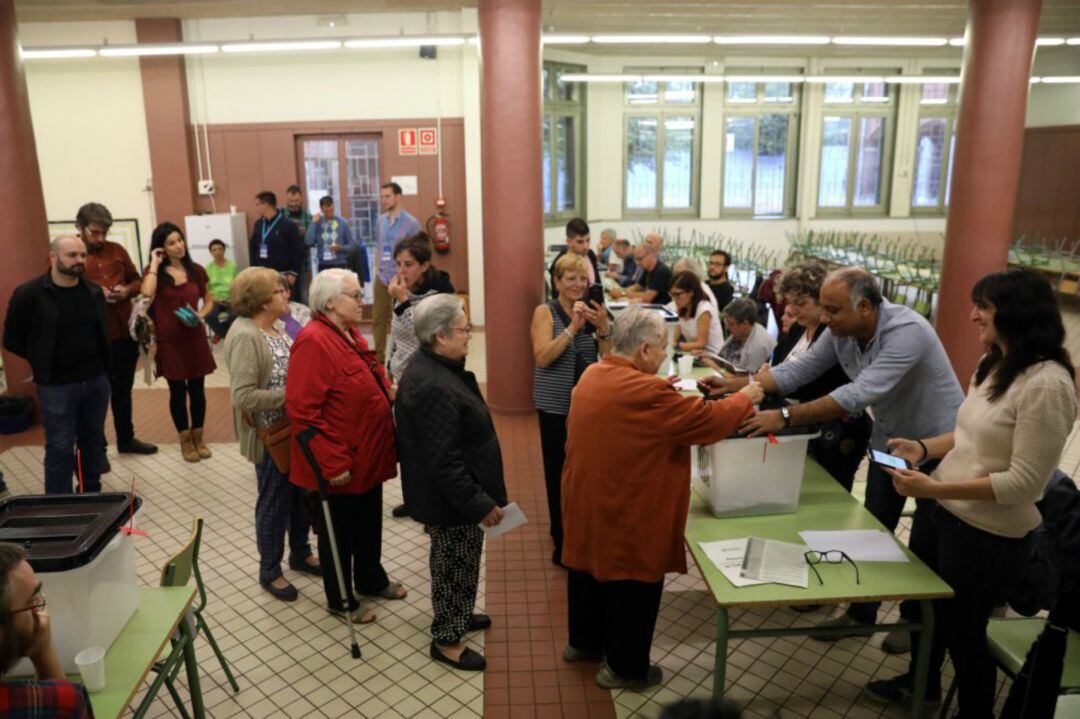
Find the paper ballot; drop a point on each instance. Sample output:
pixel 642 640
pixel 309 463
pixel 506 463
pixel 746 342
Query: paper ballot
pixel 513 518
pixel 686 385
pixel 862 545
pixel 781 562
pixel 728 557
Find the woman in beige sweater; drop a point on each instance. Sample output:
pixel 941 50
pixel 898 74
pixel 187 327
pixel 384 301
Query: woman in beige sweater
pixel 1010 432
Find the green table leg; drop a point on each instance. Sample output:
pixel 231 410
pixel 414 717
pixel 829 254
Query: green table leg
pixel 922 661
pixel 192 668
pixel 720 668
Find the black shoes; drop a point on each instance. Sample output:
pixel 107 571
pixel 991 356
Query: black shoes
pixel 573 654
pixel 478 623
pixel 400 511
pixel 898 691
pixel 470 661
pixel 303 566
pixel 285 594
pixel 134 446
pixel 106 467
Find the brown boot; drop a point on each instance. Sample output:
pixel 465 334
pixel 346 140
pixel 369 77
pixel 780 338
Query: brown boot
pixel 187 447
pixel 200 445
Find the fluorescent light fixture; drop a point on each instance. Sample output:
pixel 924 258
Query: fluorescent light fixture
pixel 376 42
pixel 845 78
pixel 652 39
pixel 565 39
pixel 764 78
pixel 891 41
pixel 1060 79
pixel 282 46
pixel 1073 41
pixel 1049 41
pixel 924 80
pixel 148 50
pixel 934 101
pixel 683 78
pixel 957 41
pixel 571 77
pixel 771 39
pixel 1034 80
pixel 58 53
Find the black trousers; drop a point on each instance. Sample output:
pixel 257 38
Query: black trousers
pixel 841 447
pixel 615 619
pixel 358 526
pixel 981 568
pixel 125 357
pixel 553 450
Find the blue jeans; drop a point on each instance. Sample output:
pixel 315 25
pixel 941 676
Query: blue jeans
pixel 279 509
pixel 73 415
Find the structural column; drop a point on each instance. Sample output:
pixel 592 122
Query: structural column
pixel 26 230
pixel 165 97
pixel 986 166
pixel 513 216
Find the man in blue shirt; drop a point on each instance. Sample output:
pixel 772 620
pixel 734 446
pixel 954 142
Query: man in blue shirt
pixel 330 235
pixel 393 225
pixel 276 242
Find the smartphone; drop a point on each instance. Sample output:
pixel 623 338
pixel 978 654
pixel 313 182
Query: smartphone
pixel 887 460
pixel 595 294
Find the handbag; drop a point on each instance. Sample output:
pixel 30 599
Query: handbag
pixel 276 438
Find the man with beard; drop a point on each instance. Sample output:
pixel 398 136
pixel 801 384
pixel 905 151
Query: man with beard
pixel 294 210
pixel 26 631
pixel 109 266
pixel 722 289
pixel 57 323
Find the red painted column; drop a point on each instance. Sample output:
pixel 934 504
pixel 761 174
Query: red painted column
pixel 26 230
pixel 513 217
pixel 165 97
pixel 986 165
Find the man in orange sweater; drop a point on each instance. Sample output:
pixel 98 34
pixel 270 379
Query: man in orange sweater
pixel 624 523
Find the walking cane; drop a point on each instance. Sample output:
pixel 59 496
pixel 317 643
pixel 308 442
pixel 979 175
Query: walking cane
pixel 346 593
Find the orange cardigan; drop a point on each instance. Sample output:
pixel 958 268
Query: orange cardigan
pixel 626 480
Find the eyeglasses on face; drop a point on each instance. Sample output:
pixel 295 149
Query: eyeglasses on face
pixel 37 606
pixel 831 556
pixel 466 329
pixel 354 296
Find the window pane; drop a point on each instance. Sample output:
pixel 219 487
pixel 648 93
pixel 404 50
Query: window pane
pixel 934 93
pixel 545 82
pixel 564 91
pixel 741 92
pixel 739 162
pixel 678 161
pixel 835 150
pixel 868 161
pixel 680 93
pixel 641 162
pixel 875 92
pixel 929 153
pixel 778 92
pixel 839 91
pixel 546 163
pixel 565 142
pixel 771 165
pixel 948 179
pixel 321 168
pixel 643 93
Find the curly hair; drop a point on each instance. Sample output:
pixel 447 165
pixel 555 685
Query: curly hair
pixel 803 279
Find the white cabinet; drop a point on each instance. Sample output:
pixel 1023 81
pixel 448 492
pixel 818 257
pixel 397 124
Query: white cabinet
pixel 230 228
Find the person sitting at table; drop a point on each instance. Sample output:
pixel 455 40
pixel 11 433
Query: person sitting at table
pixel 26 632
pixel 749 345
pixel 623 527
pixel 655 280
pixel 689 264
pixel 221 273
pixel 624 275
pixel 568 335
pixel 698 329
pixel 976 531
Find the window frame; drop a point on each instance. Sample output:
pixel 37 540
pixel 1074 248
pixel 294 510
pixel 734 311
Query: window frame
pixel 553 109
pixel 858 110
pixel 947 111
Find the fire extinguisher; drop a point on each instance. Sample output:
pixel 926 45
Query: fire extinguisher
pixel 438 227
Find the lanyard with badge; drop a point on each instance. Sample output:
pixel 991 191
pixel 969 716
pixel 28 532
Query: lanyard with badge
pixel 329 238
pixel 264 248
pixel 388 244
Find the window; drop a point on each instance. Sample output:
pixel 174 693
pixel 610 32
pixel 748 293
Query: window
pixel 856 146
pixel 760 130
pixel 562 133
pixel 662 147
pixel 934 145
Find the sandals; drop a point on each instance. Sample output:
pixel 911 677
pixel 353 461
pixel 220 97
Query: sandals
pixel 358 615
pixel 391 592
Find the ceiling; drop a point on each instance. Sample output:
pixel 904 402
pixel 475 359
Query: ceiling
pixel 832 17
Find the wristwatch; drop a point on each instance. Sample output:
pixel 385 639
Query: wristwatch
pixel 786 414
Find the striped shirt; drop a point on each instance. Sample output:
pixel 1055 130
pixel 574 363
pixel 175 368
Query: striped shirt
pixel 553 384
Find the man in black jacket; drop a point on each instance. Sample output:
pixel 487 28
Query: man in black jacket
pixel 276 242
pixel 57 323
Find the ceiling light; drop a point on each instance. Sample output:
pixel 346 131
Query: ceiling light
pixel 57 53
pixel 581 77
pixel 404 42
pixel 1049 41
pixel 934 101
pixel 282 46
pixel 845 78
pixel 891 41
pixel 957 41
pixel 764 78
pixel 151 50
pixel 683 78
pixel 652 39
pixel 1073 41
pixel 771 40
pixel 1060 79
pixel 1034 80
pixel 924 79
pixel 565 39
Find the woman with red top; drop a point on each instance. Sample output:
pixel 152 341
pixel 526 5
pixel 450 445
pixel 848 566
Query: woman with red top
pixel 173 283
pixel 337 388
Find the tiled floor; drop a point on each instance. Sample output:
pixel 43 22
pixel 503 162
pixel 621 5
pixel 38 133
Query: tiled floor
pixel 292 660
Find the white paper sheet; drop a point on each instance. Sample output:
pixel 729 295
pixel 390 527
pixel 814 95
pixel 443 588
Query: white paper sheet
pixel 688 385
pixel 862 545
pixel 771 561
pixel 728 556
pixel 513 518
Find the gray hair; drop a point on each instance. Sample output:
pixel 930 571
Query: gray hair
pixel 742 309
pixel 687 264
pixel 435 314
pixel 860 283
pixel 634 326
pixel 610 232
pixel 326 287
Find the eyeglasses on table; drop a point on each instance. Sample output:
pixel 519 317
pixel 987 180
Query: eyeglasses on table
pixel 831 556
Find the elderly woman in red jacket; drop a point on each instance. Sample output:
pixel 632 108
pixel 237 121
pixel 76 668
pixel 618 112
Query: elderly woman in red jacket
pixel 338 388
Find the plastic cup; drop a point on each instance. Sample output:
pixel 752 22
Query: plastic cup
pixel 91 663
pixel 686 365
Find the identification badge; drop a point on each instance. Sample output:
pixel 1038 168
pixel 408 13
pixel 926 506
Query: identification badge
pixel 327 253
pixel 264 251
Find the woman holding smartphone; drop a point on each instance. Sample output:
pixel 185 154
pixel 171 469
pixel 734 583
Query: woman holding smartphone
pixel 1010 432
